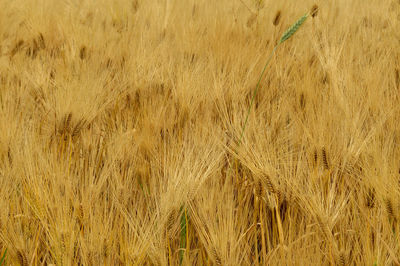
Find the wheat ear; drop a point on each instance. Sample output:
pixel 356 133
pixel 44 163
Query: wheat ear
pixel 292 30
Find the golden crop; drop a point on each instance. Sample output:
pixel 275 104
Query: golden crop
pixel 122 136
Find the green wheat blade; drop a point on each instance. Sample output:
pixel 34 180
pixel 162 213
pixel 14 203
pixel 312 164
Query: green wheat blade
pixel 2 261
pixel 183 243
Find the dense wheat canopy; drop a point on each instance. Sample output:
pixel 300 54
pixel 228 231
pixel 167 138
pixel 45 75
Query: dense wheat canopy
pixel 121 122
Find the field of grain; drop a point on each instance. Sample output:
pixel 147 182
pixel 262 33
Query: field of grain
pixel 121 133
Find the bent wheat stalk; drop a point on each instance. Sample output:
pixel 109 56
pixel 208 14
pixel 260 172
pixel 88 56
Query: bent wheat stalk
pixel 285 36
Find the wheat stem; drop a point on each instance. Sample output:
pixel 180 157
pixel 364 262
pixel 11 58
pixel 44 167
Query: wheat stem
pixel 285 36
pixel 255 92
pixel 184 235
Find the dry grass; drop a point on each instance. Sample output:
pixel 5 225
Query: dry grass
pixel 120 125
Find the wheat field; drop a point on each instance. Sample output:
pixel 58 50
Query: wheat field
pixel 121 122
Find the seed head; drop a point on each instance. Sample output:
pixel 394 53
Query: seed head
pixel 277 18
pixel 292 30
pixel 314 11
pixel 325 159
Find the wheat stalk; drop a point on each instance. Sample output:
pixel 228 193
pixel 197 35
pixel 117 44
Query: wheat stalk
pixel 286 35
